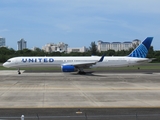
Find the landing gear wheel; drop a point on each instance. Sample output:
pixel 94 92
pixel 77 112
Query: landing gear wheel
pixel 19 71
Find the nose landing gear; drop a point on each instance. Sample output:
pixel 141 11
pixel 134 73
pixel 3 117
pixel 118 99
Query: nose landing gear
pixel 19 72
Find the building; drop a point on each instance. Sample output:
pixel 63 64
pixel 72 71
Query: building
pixel 103 46
pixel 82 49
pixel 117 46
pixel 51 47
pixel 126 45
pixel 2 42
pixel 22 44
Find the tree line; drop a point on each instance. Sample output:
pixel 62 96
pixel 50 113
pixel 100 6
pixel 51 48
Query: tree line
pixel 6 53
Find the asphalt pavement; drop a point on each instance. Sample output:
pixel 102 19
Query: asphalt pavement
pixel 81 114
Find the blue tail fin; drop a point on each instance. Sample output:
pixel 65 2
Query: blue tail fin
pixel 142 50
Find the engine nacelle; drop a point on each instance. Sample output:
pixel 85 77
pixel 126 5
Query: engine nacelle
pixel 68 68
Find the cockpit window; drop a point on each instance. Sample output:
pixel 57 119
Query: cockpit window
pixel 8 61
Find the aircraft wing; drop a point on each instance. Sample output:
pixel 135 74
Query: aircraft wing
pixel 84 64
pixel 81 64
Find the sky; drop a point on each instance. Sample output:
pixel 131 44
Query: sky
pixel 79 22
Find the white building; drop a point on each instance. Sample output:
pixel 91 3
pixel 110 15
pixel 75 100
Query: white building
pixel 117 46
pixel 22 44
pixel 103 46
pixel 126 45
pixel 51 47
pixel 82 49
pixel 2 42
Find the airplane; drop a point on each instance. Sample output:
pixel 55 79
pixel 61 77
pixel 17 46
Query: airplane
pixel 78 63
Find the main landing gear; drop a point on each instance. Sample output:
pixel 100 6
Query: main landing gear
pixel 81 72
pixel 19 72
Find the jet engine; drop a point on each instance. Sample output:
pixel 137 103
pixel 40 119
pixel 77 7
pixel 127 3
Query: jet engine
pixel 68 68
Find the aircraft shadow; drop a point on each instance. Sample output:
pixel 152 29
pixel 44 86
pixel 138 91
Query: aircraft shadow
pixel 90 73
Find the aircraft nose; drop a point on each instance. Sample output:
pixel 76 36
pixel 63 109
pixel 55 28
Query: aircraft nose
pixel 5 64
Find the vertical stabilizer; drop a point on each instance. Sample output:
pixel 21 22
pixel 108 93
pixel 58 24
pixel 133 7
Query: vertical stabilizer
pixel 142 50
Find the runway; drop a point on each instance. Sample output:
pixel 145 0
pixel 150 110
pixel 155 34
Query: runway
pixel 96 90
pixel 98 96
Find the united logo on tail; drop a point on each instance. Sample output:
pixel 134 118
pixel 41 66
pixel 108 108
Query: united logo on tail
pixel 142 50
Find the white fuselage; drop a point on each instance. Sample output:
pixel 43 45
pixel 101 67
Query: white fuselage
pixel 20 62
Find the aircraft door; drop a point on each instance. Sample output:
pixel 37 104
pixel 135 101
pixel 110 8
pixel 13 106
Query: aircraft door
pixel 129 62
pixel 15 61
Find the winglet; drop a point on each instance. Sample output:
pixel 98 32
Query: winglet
pixel 142 50
pixel 101 59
